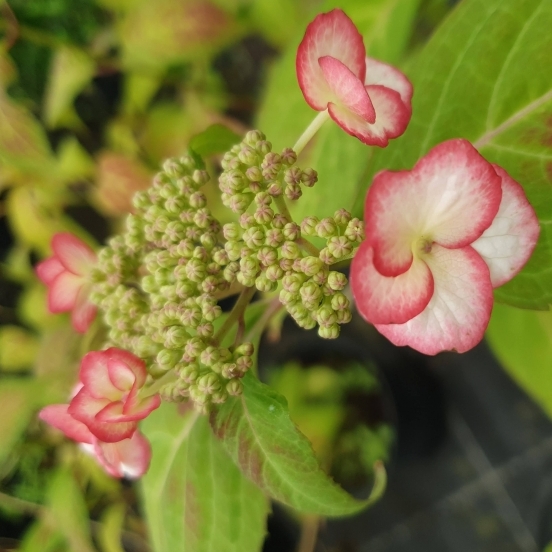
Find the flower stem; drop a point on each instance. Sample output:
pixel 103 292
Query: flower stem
pixel 282 207
pixel 169 377
pixel 308 246
pixel 310 131
pixel 238 310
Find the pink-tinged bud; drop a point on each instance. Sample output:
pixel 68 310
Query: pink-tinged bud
pixel 67 274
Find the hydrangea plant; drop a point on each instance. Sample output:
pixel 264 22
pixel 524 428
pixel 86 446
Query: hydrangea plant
pixel 436 240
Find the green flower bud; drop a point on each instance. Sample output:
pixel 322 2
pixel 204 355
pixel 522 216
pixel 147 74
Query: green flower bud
pixel 326 257
pixel 254 237
pixel 220 396
pixel 325 316
pixel 293 175
pixel 264 285
pixel 209 383
pixel 194 347
pixel 308 226
pixel 189 373
pixel 263 147
pixel 293 192
pixel 209 356
pixel 243 363
pixel 344 316
pixel 290 250
pixel 195 270
pixel 286 264
pixel 206 329
pixel 248 155
pixel 299 312
pixel 289 157
pixel 253 137
pixel 167 358
pixel 234 181
pixel 275 189
pixel 202 218
pixel 233 250
pixel 271 165
pixel 340 246
pixel 336 280
pixel 287 298
pixel 231 271
pixel 245 349
pixel 185 289
pixel 355 230
pixel 321 277
pixel 310 265
pixel 310 294
pixel 191 317
pixel 200 177
pixel 292 282
pixel 249 266
pixel 234 387
pixel 264 215
pixel 140 200
pixel 254 174
pixel 211 312
pixel 246 280
pixel 239 202
pixel 175 337
pixel 309 178
pixel 279 221
pixel 339 302
pixel 326 228
pixel 274 273
pixel 329 332
pixel 231 231
pixel 342 217
pixel 292 231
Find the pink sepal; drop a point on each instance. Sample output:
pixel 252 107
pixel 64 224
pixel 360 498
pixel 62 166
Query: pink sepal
pixel 386 75
pixel 48 269
pixel 330 34
pixel 73 253
pixel 510 240
pixel 128 458
pixel 132 362
pixel 348 90
pixel 57 416
pixel 459 311
pixel 63 292
pixel 84 311
pixel 389 300
pixel 95 376
pixel 116 412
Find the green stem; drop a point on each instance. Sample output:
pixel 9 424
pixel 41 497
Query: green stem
pixel 310 131
pixel 169 377
pixel 308 247
pixel 238 310
pixel 282 207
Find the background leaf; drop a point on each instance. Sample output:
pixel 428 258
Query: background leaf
pixel 214 139
pixel 259 435
pixel 196 499
pixel 522 341
pixel 485 76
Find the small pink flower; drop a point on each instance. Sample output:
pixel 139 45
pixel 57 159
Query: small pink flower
pixel 439 238
pixel 127 458
pixel 66 274
pixel 108 403
pixel 367 98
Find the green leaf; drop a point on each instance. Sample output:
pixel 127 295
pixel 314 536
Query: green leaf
pixel 522 341
pixel 485 76
pixel 18 398
pixel 18 348
pixel 339 159
pixel 215 139
pixel 67 511
pixel 196 500
pixel 259 435
pixel 71 70
pixel 111 527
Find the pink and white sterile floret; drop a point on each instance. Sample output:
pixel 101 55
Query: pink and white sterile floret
pixel 67 275
pixel 109 402
pixel 128 458
pixel 439 238
pixel 367 98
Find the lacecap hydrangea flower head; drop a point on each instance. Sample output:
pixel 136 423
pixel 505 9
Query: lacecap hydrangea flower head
pixel 439 238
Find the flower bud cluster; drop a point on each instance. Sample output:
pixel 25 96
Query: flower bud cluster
pixel 251 169
pixel 158 286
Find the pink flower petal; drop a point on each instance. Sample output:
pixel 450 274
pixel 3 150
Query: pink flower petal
pixel 450 197
pixel 459 311
pixel 508 243
pixel 380 73
pixel 94 375
pixel 116 412
pixel 127 458
pixel 74 254
pixel 84 406
pixel 57 416
pixel 48 269
pixel 389 300
pixel 84 311
pixel 330 34
pixel 392 117
pixel 347 90
pixel 137 408
pixel 63 292
pixel 135 364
